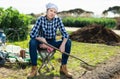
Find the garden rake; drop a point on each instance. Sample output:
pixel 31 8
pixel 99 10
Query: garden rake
pixel 82 64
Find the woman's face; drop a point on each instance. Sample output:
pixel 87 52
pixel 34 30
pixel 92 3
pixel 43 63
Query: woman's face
pixel 51 12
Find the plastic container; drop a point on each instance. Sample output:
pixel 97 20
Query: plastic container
pixel 2 36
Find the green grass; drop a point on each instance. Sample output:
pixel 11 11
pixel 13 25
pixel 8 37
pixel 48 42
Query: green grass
pixel 88 52
pixel 91 53
pixel 22 44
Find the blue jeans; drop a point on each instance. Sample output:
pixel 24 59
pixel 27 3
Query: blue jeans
pixel 33 47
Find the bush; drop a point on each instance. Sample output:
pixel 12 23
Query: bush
pixel 81 22
pixel 14 24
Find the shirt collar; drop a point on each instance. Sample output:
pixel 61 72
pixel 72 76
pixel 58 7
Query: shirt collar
pixel 49 20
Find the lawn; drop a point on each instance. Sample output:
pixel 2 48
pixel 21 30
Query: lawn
pixel 88 52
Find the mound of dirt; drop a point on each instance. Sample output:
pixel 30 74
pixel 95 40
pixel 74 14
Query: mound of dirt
pixel 96 34
pixel 118 23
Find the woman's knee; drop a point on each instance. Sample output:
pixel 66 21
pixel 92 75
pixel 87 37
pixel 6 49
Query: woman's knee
pixel 68 42
pixel 33 42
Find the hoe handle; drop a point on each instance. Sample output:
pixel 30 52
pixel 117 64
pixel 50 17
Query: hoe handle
pixel 65 52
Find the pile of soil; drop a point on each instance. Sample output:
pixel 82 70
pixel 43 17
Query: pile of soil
pixel 118 27
pixel 118 23
pixel 96 34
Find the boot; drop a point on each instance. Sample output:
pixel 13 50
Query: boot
pixel 33 71
pixel 63 70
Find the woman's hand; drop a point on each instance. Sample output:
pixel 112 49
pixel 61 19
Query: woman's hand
pixel 49 49
pixel 43 46
pixel 62 48
pixel 43 40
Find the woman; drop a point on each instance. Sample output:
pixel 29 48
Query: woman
pixel 45 30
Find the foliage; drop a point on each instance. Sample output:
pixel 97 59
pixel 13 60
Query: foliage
pixel 34 18
pixel 81 22
pixel 23 43
pixel 14 24
pixel 114 9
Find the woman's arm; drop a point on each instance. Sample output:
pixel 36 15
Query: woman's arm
pixel 65 35
pixel 35 30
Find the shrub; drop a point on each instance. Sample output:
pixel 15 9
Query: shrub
pixel 14 24
pixel 81 22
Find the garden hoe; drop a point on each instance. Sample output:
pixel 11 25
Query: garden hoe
pixel 82 64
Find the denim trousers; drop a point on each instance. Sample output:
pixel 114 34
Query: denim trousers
pixel 33 47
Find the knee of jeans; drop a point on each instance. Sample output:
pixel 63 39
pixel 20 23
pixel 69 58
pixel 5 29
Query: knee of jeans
pixel 68 42
pixel 33 42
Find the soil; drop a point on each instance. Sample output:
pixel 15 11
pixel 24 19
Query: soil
pixel 109 69
pixel 118 23
pixel 96 34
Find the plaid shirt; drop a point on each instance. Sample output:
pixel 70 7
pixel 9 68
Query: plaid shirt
pixel 47 29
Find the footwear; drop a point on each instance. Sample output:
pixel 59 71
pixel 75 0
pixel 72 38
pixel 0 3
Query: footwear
pixel 33 71
pixel 63 70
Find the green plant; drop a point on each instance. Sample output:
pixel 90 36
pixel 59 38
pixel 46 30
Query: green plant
pixel 14 24
pixel 81 22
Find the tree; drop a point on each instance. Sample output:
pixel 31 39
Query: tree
pixel 1 11
pixel 114 9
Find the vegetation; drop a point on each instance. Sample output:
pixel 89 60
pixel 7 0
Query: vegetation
pixel 14 24
pixel 81 22
pixel 88 52
pixel 114 9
